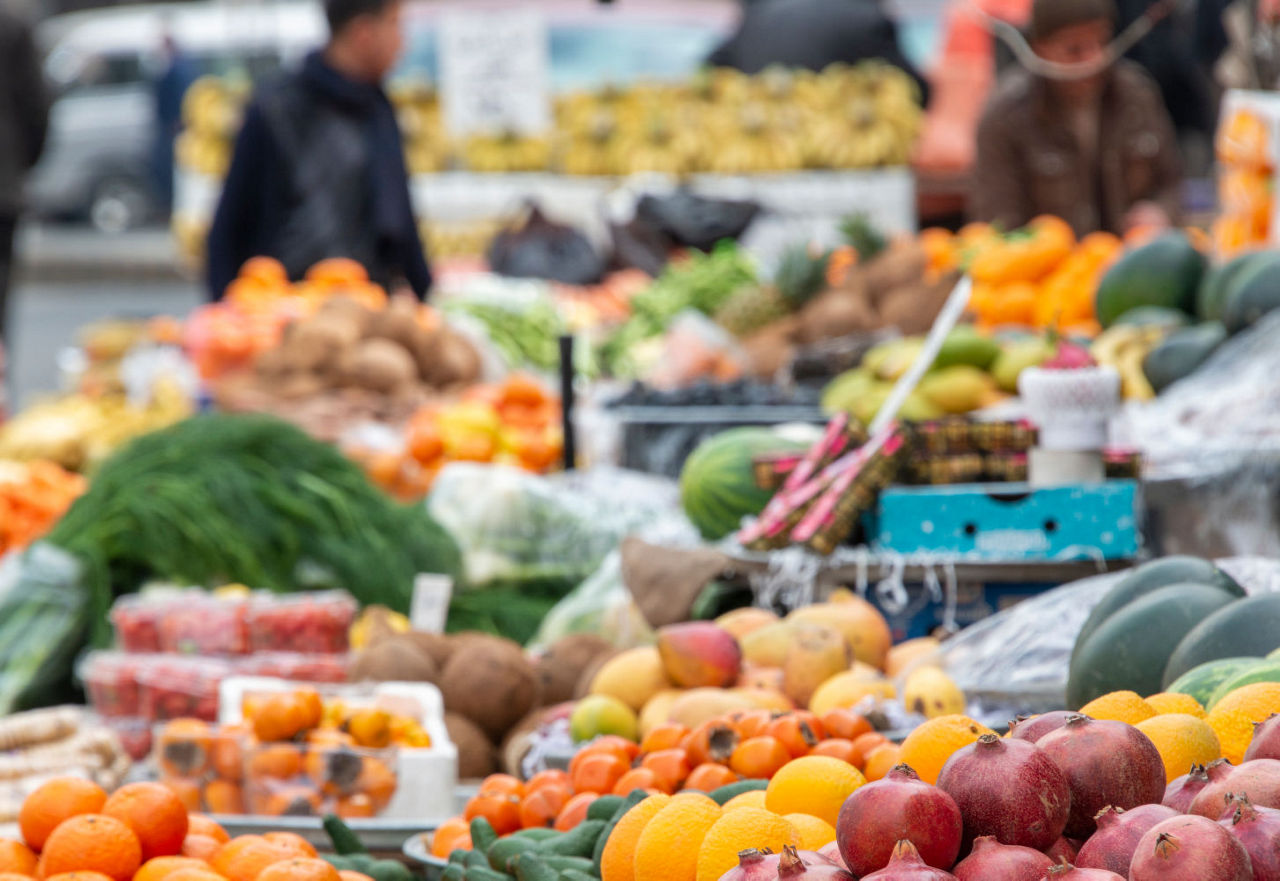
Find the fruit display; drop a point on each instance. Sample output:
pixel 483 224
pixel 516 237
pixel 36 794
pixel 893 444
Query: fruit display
pixel 33 496
pixel 1246 152
pixel 40 744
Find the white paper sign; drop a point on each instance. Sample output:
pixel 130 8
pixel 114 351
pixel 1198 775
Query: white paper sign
pixel 493 73
pixel 429 607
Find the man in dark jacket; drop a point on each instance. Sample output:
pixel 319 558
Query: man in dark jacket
pixel 318 169
pixel 24 122
pixel 1098 151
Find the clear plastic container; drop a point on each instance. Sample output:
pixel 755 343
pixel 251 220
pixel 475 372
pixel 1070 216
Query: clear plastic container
pixel 202 624
pixel 174 686
pixel 309 623
pixel 286 779
pixel 136 619
pixel 296 666
pixel 111 681
pixel 134 733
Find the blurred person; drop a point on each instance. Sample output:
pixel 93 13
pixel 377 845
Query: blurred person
pixel 812 34
pixel 318 169
pixel 24 123
pixel 1098 151
pixel 170 87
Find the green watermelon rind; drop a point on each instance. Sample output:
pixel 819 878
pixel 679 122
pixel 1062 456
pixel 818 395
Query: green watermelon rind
pixel 1266 671
pixel 716 506
pixel 1202 681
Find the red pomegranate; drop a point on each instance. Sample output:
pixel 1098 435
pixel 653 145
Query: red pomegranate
pixel 1259 831
pixel 899 806
pixel 905 865
pixel 1064 849
pixel 1032 728
pixel 1009 789
pixel 1119 832
pixel 1190 848
pixel 1266 740
pixel 1068 872
pixel 790 865
pixel 1258 779
pixel 832 852
pixel 992 861
pixel 753 865
pixel 1181 792
pixel 1106 763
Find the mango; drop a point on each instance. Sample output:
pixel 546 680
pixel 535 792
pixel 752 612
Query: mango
pixel 600 714
pixel 932 693
pixel 740 622
pixel 958 389
pixel 891 359
pixel 699 654
pixel 843 392
pixel 767 647
pixel 699 705
pixel 766 699
pixel 753 676
pixel 658 710
pixel 861 624
pixel 817 653
pixel 632 676
pixel 1017 357
pixel 907 653
pixel 847 689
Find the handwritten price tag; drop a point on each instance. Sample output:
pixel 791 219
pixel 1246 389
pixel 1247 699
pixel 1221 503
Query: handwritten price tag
pixel 493 73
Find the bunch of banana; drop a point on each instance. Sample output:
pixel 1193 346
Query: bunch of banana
pixel 1123 347
pixel 758 146
pixel 506 153
pixel 593 152
pixel 660 146
pixel 468 238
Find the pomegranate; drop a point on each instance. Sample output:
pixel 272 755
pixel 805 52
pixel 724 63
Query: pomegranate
pixel 992 861
pixel 1189 848
pixel 1009 789
pixel 1063 849
pixel 1181 792
pixel 1259 831
pixel 791 865
pixel 1106 763
pixel 832 852
pixel 1259 780
pixel 1064 871
pixel 906 865
pixel 1119 831
pixel 1266 740
pixel 753 865
pixel 1033 728
pixel 899 806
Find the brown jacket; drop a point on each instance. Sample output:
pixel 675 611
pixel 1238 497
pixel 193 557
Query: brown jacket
pixel 1030 163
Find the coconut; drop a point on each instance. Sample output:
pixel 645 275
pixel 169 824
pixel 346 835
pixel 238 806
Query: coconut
pixel 380 365
pixel 913 308
pixel 477 756
pixel 837 312
pixel 394 659
pixel 489 681
pixel 769 350
pixel 398 323
pixel 445 358
pixel 347 310
pixel 436 645
pixel 560 666
pixel 902 264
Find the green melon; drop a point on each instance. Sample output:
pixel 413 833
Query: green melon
pixel 1252 293
pixel 1221 280
pixel 1246 627
pixel 1164 272
pixel 717 487
pixel 1181 353
pixel 1202 681
pixel 1266 671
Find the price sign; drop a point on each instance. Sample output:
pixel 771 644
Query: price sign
pixel 493 73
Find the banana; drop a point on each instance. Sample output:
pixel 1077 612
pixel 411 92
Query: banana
pixel 1133 382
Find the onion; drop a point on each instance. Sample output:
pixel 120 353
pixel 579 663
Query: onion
pixel 992 861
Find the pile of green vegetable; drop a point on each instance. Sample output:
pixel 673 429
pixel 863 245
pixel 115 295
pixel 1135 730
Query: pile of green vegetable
pixel 210 500
pixel 526 334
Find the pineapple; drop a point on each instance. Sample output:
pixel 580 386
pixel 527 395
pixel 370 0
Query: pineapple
pixel 799 277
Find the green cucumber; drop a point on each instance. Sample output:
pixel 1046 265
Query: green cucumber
pixel 482 834
pixel 580 841
pixel 597 855
pixel 530 867
pixel 537 833
pixel 344 841
pixel 476 860
pixel 453 872
pixel 504 851
pixel 566 864
pixel 477 873
pixel 604 807
pixel 571 875
pixel 724 793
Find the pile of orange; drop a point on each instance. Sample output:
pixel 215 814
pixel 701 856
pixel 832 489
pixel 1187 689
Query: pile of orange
pixel 283 760
pixel 745 745
pixel 72 831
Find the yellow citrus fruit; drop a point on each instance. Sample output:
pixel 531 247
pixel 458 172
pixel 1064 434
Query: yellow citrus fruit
pixel 669 845
pixel 1119 706
pixel 1232 717
pixel 815 833
pixel 752 799
pixel 815 785
pixel 881 760
pixel 927 748
pixel 737 831
pixel 1171 702
pixel 616 863
pixel 1182 740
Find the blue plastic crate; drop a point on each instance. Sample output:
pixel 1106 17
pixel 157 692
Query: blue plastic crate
pixel 974 601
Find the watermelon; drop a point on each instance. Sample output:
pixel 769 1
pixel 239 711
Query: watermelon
pixel 1265 671
pixel 1202 681
pixel 717 486
pixel 1164 272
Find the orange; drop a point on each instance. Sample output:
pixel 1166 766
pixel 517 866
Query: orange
pixel 200 824
pixel 79 876
pixel 1172 702
pixel 1119 706
pixel 300 869
pixel 155 815
pixel 751 799
pixel 195 874
pixel 574 811
pixel 93 842
pixel 736 831
pixel 17 858
pixel 281 761
pixel 201 847
pixel 162 867
pixel 1233 716
pixel 928 747
pixel 1182 740
pixel 816 785
pixel 223 797
pixel 186 789
pixel 453 834
pixel 815 833
pixel 244 858
pixel 668 847
pixel 55 801
pixel 617 860
pixel 291 841
pixel 881 760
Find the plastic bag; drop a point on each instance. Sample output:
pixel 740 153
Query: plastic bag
pixel 601 605
pixel 640 244
pixel 695 347
pixel 697 221
pixel 539 248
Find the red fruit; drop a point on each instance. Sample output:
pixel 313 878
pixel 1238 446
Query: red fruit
pixel 1063 850
pixel 1069 356
pixel 1009 789
pixel 832 852
pixel 898 807
pixel 814 868
pixel 1106 763
pixel 699 654
pixel 753 865
pixel 1266 740
pixel 992 861
pixel 1181 792
pixel 1068 872
pixel 1259 831
pixel 1259 780
pixel 1190 848
pixel 1119 832
pixel 1032 728
pixel 906 865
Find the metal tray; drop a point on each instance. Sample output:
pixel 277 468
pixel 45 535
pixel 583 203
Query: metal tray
pixel 415 850
pixel 378 835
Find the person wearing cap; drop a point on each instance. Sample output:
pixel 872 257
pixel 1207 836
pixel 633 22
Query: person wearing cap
pixel 1097 150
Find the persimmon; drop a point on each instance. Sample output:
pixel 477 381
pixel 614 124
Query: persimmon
pixel 839 748
pixel 759 758
pixel 549 777
pixel 844 723
pixel 712 741
pixel 501 784
pixel 709 776
pixel 575 811
pixel 502 810
pixel 540 807
pixel 598 772
pixel 669 766
pixel 636 778
pixel 750 723
pixel 668 735
pixel 799 732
